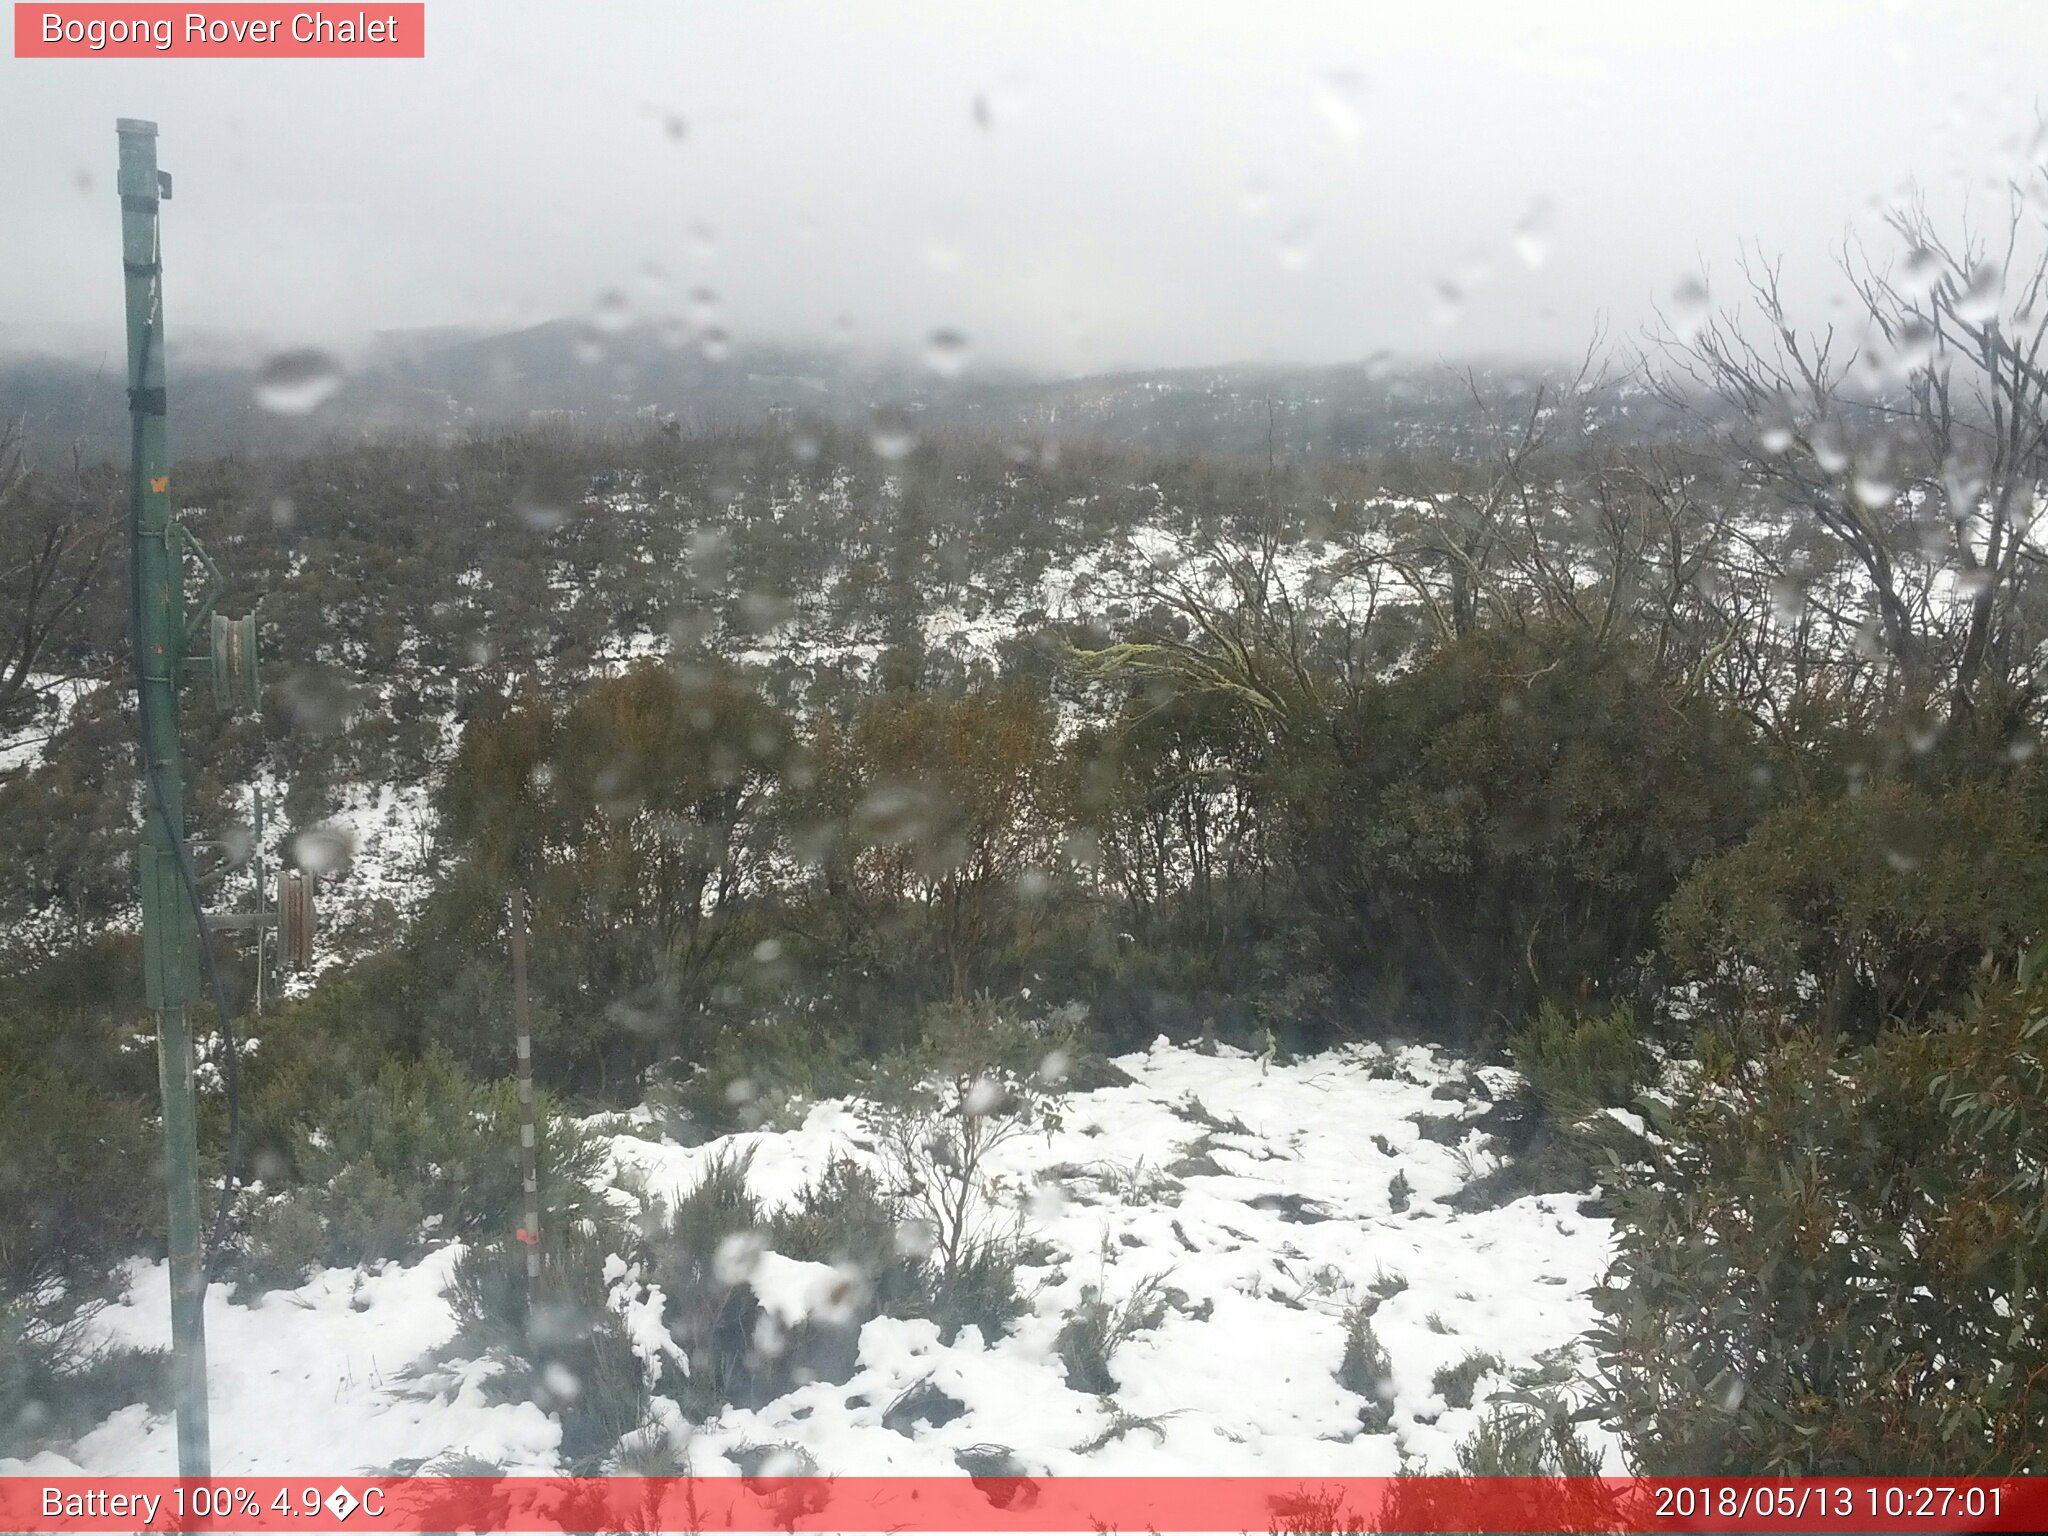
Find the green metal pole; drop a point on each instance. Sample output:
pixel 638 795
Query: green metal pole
pixel 169 938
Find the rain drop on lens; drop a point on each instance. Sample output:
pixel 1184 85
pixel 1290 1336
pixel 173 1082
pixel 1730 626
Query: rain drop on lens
pixel 1978 302
pixel 984 1097
pixel 295 382
pixel 1874 491
pixel 323 850
pixel 1689 303
pixel 738 1256
pixel 1919 272
pixel 613 314
pixel 1295 248
pixel 945 352
pixel 1340 97
pixel 891 436
pixel 1828 450
pixel 1788 600
pixel 1446 302
pixel 1532 235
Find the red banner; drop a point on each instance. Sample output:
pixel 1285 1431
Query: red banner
pixel 239 31
pixel 1132 1504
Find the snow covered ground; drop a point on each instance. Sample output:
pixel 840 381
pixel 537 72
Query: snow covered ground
pixel 1263 1234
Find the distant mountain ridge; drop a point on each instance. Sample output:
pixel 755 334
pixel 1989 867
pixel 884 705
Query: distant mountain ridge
pixel 441 380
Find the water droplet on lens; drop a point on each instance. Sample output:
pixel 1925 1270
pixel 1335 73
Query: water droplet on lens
pixel 1828 450
pixel 1874 488
pixel 1447 302
pixel 1340 97
pixel 892 436
pixel 1978 303
pixel 1775 439
pixel 1256 197
pixel 1919 272
pixel 562 1383
pixel 945 352
pixel 1295 248
pixel 1788 599
pixel 984 1097
pixel 915 1238
pixel 1689 303
pixel 323 850
pixel 763 611
pixel 540 516
pixel 613 313
pixel 1532 235
pixel 738 1256
pixel 715 343
pixel 295 382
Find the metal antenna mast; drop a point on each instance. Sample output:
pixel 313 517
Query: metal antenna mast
pixel 169 947
pixel 174 921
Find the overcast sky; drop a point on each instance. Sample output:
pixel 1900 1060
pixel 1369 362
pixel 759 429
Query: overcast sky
pixel 1070 187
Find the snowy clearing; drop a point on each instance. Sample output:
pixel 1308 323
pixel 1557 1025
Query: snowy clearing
pixel 1264 1234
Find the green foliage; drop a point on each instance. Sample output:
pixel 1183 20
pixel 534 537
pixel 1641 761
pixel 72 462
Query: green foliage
pixel 635 819
pixel 937 824
pixel 494 800
pixel 1097 1328
pixel 982 1081
pixel 418 1154
pixel 701 1257
pixel 562 1344
pixel 1831 1264
pixel 1366 1368
pixel 1455 1382
pixel 1851 913
pixel 76 1198
pixel 55 1384
pixel 1524 1439
pixel 847 1218
pixel 1577 1064
pixel 1499 825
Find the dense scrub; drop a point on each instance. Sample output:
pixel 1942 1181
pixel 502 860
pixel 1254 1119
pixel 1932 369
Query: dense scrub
pixel 809 767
